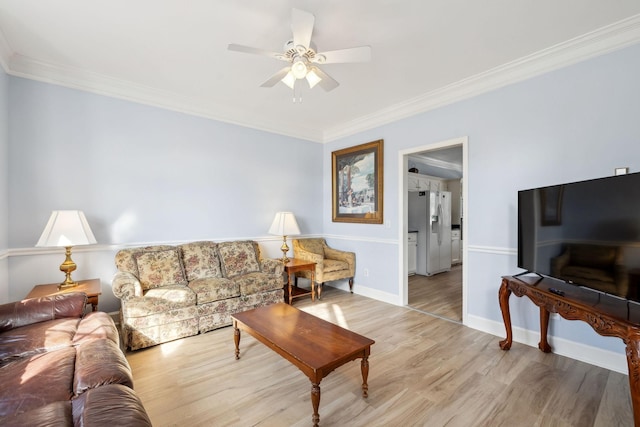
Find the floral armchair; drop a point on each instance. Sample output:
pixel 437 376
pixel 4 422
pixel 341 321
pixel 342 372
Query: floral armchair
pixel 331 264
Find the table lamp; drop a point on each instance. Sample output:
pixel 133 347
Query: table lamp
pixel 66 229
pixel 284 224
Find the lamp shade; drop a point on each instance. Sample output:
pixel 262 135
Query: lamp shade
pixel 66 228
pixel 284 224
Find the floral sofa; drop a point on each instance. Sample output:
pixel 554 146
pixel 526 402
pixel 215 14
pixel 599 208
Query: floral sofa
pixel 170 292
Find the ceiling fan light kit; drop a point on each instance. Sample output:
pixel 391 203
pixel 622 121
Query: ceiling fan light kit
pixel 302 56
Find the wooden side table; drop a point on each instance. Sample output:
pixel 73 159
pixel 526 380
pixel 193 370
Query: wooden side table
pixel 294 265
pixel 91 287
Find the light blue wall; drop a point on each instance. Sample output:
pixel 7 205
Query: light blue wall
pixel 142 174
pixel 577 123
pixel 4 185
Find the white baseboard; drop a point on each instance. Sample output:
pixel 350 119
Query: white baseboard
pixel 595 356
pixel 366 292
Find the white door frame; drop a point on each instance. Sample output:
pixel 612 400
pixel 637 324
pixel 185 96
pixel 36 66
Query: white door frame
pixel 403 165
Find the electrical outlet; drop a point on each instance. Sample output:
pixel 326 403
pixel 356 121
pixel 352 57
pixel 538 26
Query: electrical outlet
pixel 365 272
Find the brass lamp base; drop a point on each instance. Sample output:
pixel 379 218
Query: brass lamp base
pixel 284 248
pixel 67 267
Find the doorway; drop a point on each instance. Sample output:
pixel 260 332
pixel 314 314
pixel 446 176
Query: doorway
pixel 442 166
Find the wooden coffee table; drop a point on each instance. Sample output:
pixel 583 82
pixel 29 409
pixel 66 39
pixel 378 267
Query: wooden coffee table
pixel 315 346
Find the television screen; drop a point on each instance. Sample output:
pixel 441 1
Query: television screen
pixel 586 233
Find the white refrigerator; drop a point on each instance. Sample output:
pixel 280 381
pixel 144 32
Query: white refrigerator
pixel 430 214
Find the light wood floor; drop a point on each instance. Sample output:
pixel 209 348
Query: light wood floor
pixel 440 294
pixel 424 371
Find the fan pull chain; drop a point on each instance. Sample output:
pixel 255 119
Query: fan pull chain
pixel 296 85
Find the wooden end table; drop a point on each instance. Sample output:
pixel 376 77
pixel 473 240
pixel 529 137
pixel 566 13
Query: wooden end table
pixel 91 288
pixel 294 265
pixel 313 345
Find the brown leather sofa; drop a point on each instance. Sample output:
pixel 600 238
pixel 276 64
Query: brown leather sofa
pixel 60 367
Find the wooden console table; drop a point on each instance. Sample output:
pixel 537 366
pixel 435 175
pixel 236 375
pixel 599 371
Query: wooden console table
pixel 599 310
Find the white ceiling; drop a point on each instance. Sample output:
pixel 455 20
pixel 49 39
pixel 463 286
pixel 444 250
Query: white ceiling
pixel 426 53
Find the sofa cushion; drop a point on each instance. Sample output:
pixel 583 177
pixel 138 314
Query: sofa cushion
pixel 258 282
pixel 54 414
pixel 238 258
pixel 159 300
pixel 214 289
pixel 100 362
pixel 34 310
pixel 125 259
pixel 200 260
pixel 330 265
pixel 109 405
pixel 37 338
pixel 159 268
pixel 31 382
pixel 96 325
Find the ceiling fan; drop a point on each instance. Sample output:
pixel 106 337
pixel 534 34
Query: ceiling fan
pixel 303 58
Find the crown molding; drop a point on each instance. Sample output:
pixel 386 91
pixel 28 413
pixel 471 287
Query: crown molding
pixel 604 40
pixel 87 81
pixel 599 42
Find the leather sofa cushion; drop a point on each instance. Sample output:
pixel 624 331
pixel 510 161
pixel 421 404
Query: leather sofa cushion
pixel 31 382
pixel 214 289
pixel 108 406
pixel 200 260
pixel 100 362
pixel 52 415
pixel 237 258
pixel 34 310
pixel 160 268
pixel 37 338
pixel 96 325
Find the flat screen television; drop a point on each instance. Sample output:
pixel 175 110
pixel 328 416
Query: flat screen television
pixel 586 233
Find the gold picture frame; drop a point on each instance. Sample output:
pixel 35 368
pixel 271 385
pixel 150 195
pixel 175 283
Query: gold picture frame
pixel 357 183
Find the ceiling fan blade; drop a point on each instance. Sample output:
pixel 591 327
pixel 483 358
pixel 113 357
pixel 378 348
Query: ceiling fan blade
pixel 302 27
pixel 354 54
pixel 327 83
pixel 254 50
pixel 273 80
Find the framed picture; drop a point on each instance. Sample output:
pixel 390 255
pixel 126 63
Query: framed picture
pixel 551 205
pixel 357 183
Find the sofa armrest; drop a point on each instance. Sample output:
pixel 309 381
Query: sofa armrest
pixel 344 256
pixel 272 266
pixel 35 310
pixel 126 286
pixel 310 256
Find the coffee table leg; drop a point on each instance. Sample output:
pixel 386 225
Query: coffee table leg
pixel 236 338
pixel 364 366
pixel 315 401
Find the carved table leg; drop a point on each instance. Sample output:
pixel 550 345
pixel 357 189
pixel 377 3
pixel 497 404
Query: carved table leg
pixel 364 367
pixel 503 297
pixel 236 338
pixel 315 401
pixel 544 326
pixel 633 362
